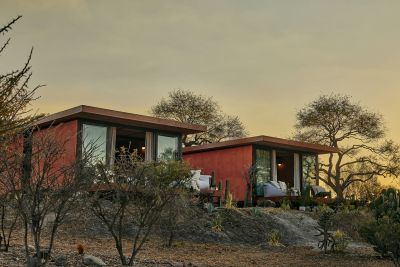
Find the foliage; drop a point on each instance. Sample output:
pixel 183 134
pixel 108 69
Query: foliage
pixel 229 201
pixel 266 203
pixel 15 94
pixel 384 232
pixel 273 238
pixel 341 241
pixel 210 207
pixel 325 224
pixel 216 223
pixel 189 107
pixel 255 212
pixel 358 134
pixel 131 196
pixel 387 204
pixel 285 204
pixel 384 235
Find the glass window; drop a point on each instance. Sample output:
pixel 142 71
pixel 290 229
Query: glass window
pixel 167 147
pixel 263 165
pixel 309 169
pixel 94 138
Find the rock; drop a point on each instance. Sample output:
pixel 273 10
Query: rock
pixel 90 260
pixel 61 261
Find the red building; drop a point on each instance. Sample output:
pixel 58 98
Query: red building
pixel 292 162
pixel 152 137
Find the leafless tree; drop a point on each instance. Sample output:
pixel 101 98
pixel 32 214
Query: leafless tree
pixel 131 195
pixel 189 107
pixel 15 95
pixel 179 213
pixel 359 135
pixel 46 185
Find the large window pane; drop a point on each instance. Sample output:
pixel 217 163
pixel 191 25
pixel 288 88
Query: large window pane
pixel 263 165
pixel 309 169
pixel 167 147
pixel 94 138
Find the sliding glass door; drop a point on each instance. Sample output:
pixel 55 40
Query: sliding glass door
pixel 263 169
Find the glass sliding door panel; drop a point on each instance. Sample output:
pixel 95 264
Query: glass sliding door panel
pixel 263 169
pixel 309 169
pixel 167 147
pixel 94 139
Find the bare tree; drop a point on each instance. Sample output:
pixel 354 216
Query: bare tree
pixel 179 213
pixel 15 95
pixel 131 195
pixel 359 135
pixel 186 106
pixel 45 184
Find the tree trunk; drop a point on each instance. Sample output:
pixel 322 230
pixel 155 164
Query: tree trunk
pixel 339 194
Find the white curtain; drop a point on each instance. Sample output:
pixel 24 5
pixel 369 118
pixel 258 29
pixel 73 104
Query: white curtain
pixel 149 147
pixel 296 171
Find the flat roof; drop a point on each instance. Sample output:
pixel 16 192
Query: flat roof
pixel 119 117
pixel 263 140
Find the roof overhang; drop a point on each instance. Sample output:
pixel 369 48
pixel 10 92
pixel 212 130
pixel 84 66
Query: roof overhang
pixel 263 140
pixel 121 118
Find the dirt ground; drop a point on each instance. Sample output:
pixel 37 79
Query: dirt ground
pixel 192 254
pixel 241 243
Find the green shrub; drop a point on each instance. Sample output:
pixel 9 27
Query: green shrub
pixel 210 207
pixel 341 241
pixel 266 203
pixel 229 202
pixel 216 224
pixel 384 232
pixel 285 204
pixel 273 238
pixel 255 212
pixel 384 235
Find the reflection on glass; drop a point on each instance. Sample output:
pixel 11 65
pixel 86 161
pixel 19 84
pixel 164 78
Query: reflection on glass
pixel 309 169
pixel 94 138
pixel 167 147
pixel 263 165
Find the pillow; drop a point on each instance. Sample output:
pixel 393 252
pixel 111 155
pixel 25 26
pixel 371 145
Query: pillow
pixel 275 184
pixel 283 186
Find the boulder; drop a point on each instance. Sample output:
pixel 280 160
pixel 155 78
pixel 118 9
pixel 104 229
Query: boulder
pixel 90 260
pixel 61 261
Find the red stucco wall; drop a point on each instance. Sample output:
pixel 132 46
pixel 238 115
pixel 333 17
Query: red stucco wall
pixel 66 135
pixel 231 163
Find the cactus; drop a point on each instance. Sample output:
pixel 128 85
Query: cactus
pixel 226 190
pixel 220 190
pixel 212 180
pixel 246 195
pixel 387 204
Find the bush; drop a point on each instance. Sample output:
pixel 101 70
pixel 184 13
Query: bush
pixel 285 204
pixel 341 241
pixel 255 212
pixel 384 235
pixel 216 224
pixel 266 203
pixel 273 238
pixel 384 232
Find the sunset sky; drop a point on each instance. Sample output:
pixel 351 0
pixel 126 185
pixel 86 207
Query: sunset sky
pixel 261 60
